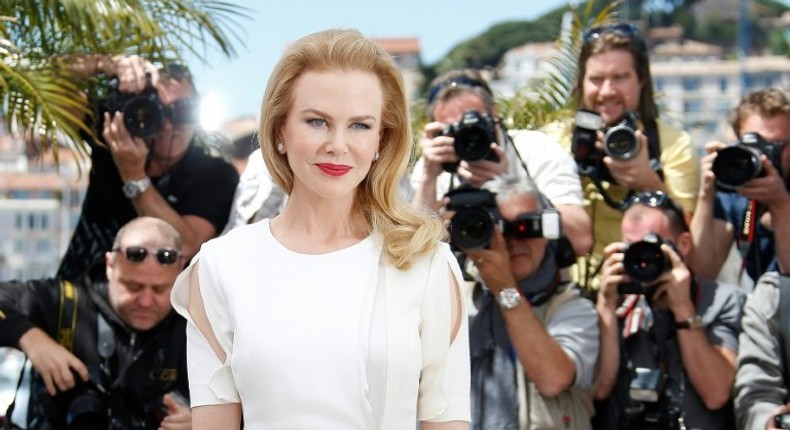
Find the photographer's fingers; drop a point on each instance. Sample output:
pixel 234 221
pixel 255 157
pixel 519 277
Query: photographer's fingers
pixel 131 73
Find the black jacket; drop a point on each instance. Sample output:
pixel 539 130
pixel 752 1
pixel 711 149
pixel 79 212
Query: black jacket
pixel 128 380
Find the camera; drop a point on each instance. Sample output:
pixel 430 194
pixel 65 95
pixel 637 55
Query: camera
pixel 620 140
pixel 740 162
pixel 473 135
pixel 647 384
pixel 89 409
pixel 649 407
pixel 644 262
pixel 782 421
pixel 144 114
pixel 477 215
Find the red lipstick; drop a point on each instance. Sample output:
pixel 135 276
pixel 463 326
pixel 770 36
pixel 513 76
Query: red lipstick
pixel 334 169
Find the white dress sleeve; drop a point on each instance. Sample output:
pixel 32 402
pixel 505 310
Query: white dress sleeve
pixel 445 380
pixel 210 380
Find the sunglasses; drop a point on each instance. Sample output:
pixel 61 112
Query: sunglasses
pixel 138 254
pixel 621 29
pixel 658 200
pixel 453 82
pixel 182 111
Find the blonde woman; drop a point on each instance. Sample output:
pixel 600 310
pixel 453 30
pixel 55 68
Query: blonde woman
pixel 344 311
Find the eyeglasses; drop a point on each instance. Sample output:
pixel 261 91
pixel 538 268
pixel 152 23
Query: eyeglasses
pixel 454 82
pixel 138 254
pixel 658 200
pixel 621 29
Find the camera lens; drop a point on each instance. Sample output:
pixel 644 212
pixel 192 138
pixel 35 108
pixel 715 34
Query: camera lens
pixel 471 228
pixel 87 412
pixel 735 165
pixel 620 143
pixel 472 143
pixel 645 261
pixel 142 116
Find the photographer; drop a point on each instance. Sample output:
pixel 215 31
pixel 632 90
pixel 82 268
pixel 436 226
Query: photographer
pixel 614 82
pixel 107 351
pixel 668 339
pixel 153 161
pixel 463 116
pixel 531 333
pixel 755 174
pixel 761 383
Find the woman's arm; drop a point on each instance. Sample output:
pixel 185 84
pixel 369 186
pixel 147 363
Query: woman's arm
pixel 210 417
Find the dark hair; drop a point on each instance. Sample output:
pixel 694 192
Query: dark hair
pixel 625 37
pixel 768 102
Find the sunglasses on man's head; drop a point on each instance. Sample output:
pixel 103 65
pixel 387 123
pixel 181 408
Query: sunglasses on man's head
pixel 659 200
pixel 138 254
pixel 452 82
pixel 621 29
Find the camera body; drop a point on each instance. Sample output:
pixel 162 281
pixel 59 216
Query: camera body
pixel 644 262
pixel 472 135
pixel 620 142
pixel 143 113
pixel 477 215
pixel 648 405
pixel 740 162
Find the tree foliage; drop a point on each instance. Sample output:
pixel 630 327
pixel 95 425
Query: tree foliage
pixel 42 97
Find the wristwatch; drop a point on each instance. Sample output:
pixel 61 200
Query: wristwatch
pixel 133 189
pixel 689 323
pixel 509 297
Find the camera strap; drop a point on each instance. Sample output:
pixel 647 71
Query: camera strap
pixel 746 236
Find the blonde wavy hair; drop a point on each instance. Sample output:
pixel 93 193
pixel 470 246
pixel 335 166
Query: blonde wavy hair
pixel 406 231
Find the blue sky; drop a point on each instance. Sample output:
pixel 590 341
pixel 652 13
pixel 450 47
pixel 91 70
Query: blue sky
pixel 235 86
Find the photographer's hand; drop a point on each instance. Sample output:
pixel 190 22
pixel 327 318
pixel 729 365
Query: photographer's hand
pixel 129 153
pixel 477 173
pixel 493 264
pixel 770 424
pixel 636 173
pixel 131 72
pixel 674 287
pixel 179 416
pixel 55 364
pixel 436 149
pixel 612 275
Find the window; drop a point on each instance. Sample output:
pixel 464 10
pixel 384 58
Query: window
pixel 723 84
pixel 692 106
pixel 691 83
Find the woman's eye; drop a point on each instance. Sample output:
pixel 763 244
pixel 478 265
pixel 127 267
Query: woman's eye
pixel 318 122
pixel 361 126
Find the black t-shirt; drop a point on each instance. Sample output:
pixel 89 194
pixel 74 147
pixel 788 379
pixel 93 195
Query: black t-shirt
pixel 200 185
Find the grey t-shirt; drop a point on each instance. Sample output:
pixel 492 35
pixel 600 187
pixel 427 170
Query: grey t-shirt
pixel 720 306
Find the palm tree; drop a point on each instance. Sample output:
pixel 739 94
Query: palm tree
pixel 550 98
pixel 44 99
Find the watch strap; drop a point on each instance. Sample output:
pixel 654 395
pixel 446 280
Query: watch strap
pixel 689 323
pixel 133 189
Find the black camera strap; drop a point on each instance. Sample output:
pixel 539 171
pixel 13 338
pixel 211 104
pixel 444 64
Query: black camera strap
pixel 747 235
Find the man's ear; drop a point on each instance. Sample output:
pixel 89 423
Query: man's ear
pixel 684 244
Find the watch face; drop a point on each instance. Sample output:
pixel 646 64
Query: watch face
pixel 509 298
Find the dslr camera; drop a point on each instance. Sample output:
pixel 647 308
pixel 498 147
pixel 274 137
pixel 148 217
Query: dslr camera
pixel 144 114
pixel 644 262
pixel 620 142
pixel 740 162
pixel 477 215
pixel 473 135
pixel 648 405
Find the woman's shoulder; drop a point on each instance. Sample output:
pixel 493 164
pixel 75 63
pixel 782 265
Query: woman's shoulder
pixel 239 237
